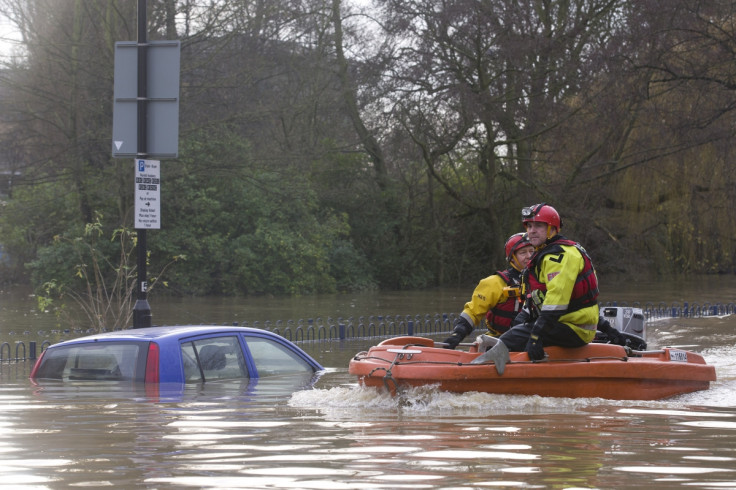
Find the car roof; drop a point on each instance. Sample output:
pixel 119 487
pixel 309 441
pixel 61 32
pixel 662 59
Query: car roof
pixel 164 332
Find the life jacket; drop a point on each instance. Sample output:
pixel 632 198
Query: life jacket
pixel 499 318
pixel 585 291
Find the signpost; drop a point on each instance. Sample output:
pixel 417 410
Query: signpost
pixel 148 194
pixel 146 124
pixel 162 66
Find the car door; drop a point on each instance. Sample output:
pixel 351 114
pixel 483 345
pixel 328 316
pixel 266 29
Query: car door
pixel 271 357
pixel 212 358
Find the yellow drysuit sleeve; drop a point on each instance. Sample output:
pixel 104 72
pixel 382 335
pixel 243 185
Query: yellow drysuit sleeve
pixel 487 294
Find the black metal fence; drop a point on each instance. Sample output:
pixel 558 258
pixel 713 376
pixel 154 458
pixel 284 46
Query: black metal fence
pixel 318 329
pixel 683 310
pixel 332 329
pixel 19 352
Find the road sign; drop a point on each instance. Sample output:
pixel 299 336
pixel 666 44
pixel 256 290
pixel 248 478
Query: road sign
pixel 162 99
pixel 148 194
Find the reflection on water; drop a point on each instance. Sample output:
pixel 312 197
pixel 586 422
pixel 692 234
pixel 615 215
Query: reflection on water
pixel 275 434
pixel 287 433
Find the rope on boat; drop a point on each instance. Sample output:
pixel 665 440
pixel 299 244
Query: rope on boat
pixel 388 377
pixel 397 362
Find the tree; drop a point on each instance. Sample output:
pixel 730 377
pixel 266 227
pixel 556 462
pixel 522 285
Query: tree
pixel 59 105
pixel 478 87
pixel 680 147
pixel 329 146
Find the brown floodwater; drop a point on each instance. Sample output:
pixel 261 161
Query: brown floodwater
pixel 329 433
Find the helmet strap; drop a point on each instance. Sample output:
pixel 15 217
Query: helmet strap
pixel 515 262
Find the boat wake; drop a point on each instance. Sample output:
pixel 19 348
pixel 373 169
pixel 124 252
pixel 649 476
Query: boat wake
pixel 433 402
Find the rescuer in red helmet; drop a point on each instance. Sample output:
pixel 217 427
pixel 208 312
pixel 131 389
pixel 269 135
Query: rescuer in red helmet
pixel 560 288
pixel 496 297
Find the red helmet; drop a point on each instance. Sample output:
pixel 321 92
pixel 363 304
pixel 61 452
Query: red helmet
pixel 514 243
pixel 543 213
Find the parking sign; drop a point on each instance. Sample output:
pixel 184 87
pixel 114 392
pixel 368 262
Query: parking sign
pixel 148 194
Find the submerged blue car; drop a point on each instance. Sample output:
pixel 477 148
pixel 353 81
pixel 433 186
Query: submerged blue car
pixel 173 354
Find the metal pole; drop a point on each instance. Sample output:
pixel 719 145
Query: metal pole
pixel 141 310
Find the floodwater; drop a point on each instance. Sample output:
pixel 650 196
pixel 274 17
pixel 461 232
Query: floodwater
pixel 328 433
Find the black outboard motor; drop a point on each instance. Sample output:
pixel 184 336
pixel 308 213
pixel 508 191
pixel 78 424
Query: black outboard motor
pixel 630 324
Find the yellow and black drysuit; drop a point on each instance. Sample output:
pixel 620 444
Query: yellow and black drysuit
pixel 562 273
pixel 491 300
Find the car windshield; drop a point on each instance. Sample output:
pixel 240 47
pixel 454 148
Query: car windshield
pixel 115 361
pixel 273 358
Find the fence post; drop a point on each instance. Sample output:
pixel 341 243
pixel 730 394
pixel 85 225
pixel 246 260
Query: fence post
pixel 17 347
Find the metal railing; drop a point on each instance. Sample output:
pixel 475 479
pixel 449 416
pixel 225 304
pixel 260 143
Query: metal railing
pixel 679 310
pixel 21 352
pixel 331 329
pixel 315 329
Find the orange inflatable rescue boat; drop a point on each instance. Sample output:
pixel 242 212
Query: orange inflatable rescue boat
pixel 595 370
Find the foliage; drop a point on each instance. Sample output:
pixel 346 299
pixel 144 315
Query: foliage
pixel 248 229
pixel 85 269
pixel 30 220
pixel 324 149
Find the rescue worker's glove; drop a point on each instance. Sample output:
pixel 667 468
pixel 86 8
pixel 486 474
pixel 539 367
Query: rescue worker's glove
pixel 613 335
pixel 534 301
pixel 534 346
pixel 453 340
pixel 537 297
pixel 462 329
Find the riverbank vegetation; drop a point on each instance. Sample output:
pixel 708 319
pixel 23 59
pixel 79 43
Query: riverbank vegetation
pixel 328 146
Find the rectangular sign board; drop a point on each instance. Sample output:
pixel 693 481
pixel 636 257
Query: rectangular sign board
pixel 148 194
pixel 162 99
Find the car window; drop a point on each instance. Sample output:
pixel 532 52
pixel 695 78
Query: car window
pixel 99 361
pixel 213 358
pixel 271 357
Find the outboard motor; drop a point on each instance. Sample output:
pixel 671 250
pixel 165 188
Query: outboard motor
pixel 629 322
